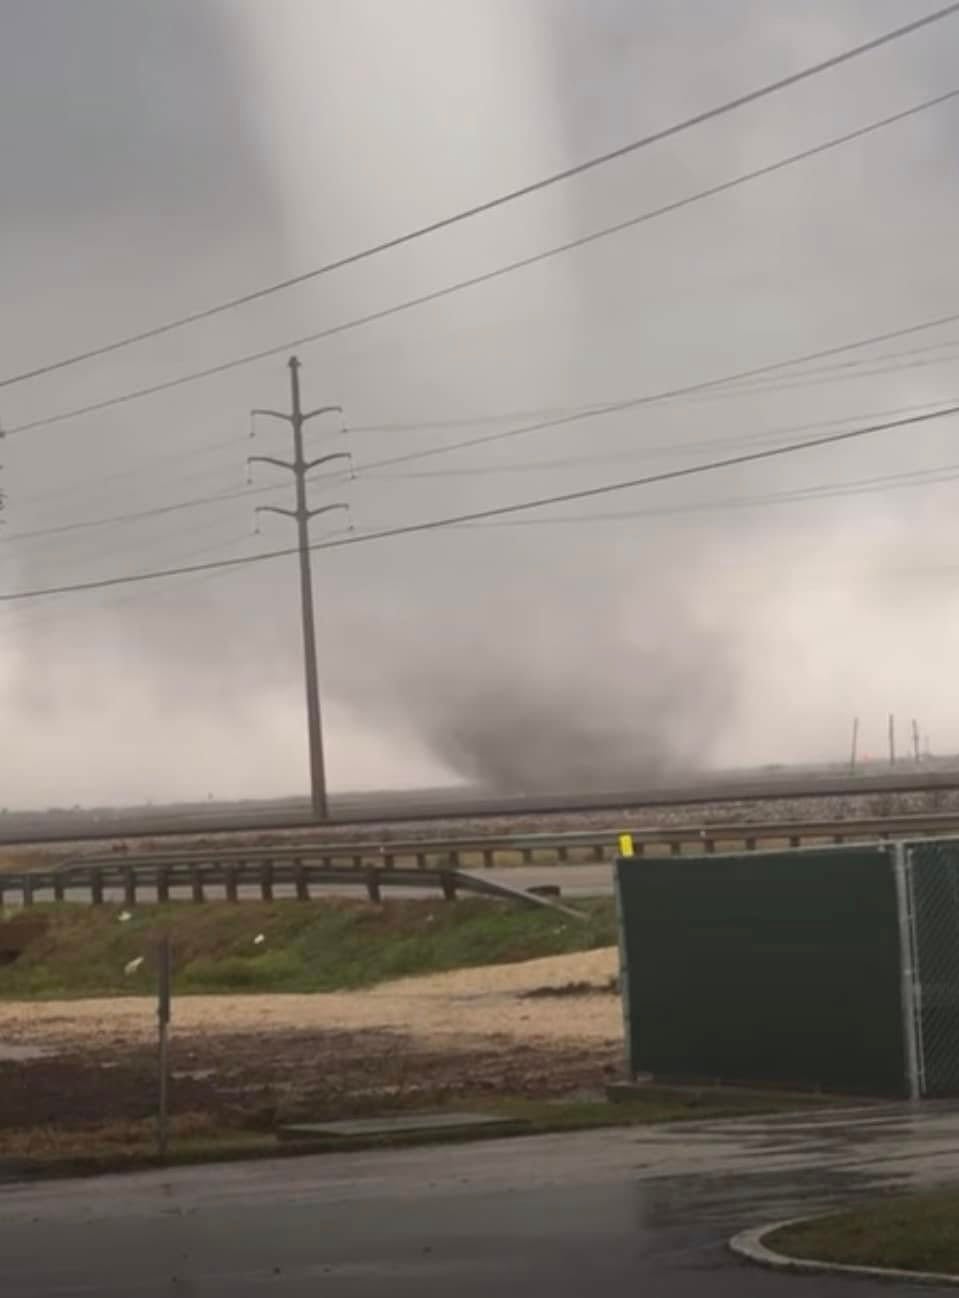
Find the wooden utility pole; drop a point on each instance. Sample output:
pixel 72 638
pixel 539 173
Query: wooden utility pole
pixel 854 749
pixel 892 740
pixel 300 467
pixel 915 741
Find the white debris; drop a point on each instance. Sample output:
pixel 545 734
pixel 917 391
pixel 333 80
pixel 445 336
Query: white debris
pixel 259 939
pixel 124 917
pixel 133 965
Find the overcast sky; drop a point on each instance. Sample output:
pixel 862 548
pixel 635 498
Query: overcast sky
pixel 160 156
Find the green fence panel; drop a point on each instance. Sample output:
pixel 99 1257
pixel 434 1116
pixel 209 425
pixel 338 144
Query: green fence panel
pixel 780 967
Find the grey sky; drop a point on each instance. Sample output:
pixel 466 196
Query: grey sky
pixel 159 157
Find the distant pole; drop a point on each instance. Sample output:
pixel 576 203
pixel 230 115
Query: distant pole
pixel 854 749
pixel 892 740
pixel 915 741
pixel 164 991
pixel 302 514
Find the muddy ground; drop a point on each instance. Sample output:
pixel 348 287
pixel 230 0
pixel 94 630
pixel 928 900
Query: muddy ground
pixel 538 1029
pixel 252 1082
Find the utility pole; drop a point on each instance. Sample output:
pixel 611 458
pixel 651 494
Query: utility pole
pixel 854 750
pixel 302 514
pixel 892 740
pixel 915 741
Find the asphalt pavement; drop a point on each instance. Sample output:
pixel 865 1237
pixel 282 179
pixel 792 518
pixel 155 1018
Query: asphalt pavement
pixel 615 1213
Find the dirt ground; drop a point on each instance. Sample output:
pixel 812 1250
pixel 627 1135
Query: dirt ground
pixel 249 1061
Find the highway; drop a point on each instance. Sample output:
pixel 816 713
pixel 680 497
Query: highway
pixel 391 807
pixel 617 1213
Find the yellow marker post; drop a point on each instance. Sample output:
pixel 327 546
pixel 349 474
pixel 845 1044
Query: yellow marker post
pixel 626 845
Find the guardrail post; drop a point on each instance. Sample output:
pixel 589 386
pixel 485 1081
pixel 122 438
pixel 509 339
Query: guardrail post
pixel 838 839
pixel 302 884
pixel 232 893
pixel 421 860
pixel 129 886
pixel 676 848
pixel 27 890
pixel 750 845
pixel 196 883
pixel 163 883
pixel 562 854
pixel 794 840
pixel 58 889
pixel 527 854
pixel 389 861
pixel 709 844
pixel 96 886
pixel 599 852
pixel 448 884
pixel 373 884
pixel 489 858
pixel 266 880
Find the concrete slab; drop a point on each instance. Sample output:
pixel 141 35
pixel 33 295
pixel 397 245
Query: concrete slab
pixel 400 1124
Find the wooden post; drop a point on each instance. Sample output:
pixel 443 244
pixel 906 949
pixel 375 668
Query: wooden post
pixel 794 840
pixel 599 852
pixel 96 887
pixel 676 848
pixel 232 893
pixel 301 881
pixel 750 845
pixel 421 860
pixel 562 854
pixel 266 880
pixel 58 889
pixel 373 884
pixel 163 883
pixel 27 890
pixel 164 996
pixel 129 886
pixel 527 855
pixel 196 883
pixel 448 884
pixel 489 858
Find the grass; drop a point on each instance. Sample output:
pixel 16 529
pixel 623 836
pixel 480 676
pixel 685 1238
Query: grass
pixel 77 950
pixel 915 1233
pixel 195 1138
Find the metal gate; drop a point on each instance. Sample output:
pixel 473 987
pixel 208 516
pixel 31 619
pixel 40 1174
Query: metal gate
pixel 928 895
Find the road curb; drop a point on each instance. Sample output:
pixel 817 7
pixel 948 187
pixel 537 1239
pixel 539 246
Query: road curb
pixel 749 1244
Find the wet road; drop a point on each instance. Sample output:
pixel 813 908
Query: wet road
pixel 611 1213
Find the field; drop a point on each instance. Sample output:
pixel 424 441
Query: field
pixel 290 1010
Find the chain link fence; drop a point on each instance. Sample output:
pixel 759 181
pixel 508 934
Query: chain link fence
pixel 932 874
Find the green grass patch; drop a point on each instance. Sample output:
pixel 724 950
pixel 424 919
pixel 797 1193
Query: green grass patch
pixel 915 1233
pixel 77 950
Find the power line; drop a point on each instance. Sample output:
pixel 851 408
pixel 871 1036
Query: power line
pixel 865 486
pixel 367 471
pixel 436 295
pixel 501 200
pixel 824 491
pixel 498 511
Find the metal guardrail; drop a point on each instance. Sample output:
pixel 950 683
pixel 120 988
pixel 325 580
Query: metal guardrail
pixel 438 862
pixel 98 883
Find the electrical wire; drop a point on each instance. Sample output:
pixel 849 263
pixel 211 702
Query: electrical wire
pixel 501 200
pixel 498 511
pixel 367 472
pixel 249 358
